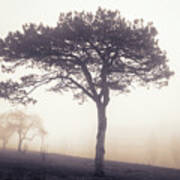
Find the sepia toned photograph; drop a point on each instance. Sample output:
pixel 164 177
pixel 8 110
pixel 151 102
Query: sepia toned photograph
pixel 89 90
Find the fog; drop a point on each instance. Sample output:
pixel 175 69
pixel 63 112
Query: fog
pixel 143 126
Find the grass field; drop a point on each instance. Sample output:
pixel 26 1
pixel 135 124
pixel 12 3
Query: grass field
pixel 31 166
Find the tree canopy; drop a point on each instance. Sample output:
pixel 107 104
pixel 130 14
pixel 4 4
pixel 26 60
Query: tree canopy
pixel 26 126
pixel 6 129
pixel 85 53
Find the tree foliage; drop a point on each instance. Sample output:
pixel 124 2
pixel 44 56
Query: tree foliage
pixel 6 129
pixel 26 126
pixel 85 53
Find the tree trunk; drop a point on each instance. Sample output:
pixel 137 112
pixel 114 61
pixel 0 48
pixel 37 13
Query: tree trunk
pixel 4 144
pixel 42 144
pixel 100 150
pixel 20 145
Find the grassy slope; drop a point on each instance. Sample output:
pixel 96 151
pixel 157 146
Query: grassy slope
pixel 20 166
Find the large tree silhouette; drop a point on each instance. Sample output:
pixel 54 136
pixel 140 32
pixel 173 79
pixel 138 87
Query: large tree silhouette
pixel 88 54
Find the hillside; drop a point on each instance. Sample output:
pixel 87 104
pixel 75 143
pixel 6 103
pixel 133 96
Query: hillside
pixel 30 166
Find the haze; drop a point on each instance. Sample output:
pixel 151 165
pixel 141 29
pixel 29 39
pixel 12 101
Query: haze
pixel 141 124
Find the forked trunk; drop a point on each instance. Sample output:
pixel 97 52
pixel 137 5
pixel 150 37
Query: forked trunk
pixel 100 150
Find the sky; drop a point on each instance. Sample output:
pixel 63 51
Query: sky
pixel 141 124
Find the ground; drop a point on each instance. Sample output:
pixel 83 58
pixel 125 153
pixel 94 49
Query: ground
pixel 33 166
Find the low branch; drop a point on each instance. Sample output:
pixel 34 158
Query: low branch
pixel 45 79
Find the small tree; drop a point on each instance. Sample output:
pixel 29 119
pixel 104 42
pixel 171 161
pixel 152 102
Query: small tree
pixel 90 54
pixel 175 149
pixel 27 127
pixel 42 134
pixel 6 130
pixel 152 149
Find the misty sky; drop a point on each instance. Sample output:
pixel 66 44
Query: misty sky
pixel 139 123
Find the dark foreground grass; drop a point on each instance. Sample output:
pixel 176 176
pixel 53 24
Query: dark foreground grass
pixel 31 166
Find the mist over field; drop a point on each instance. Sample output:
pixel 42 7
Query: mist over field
pixel 90 93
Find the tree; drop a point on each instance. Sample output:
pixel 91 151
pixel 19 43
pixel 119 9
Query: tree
pixel 152 149
pixel 27 126
pixel 43 134
pixel 89 54
pixel 175 149
pixel 6 130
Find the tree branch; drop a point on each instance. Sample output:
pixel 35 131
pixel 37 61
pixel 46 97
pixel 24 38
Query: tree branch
pixel 96 49
pixel 89 80
pixel 82 88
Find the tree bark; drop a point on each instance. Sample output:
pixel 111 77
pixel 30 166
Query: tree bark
pixel 100 150
pixel 20 145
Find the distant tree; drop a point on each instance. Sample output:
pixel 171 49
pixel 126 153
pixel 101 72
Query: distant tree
pixel 152 149
pixel 6 130
pixel 42 134
pixel 89 54
pixel 175 149
pixel 27 126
